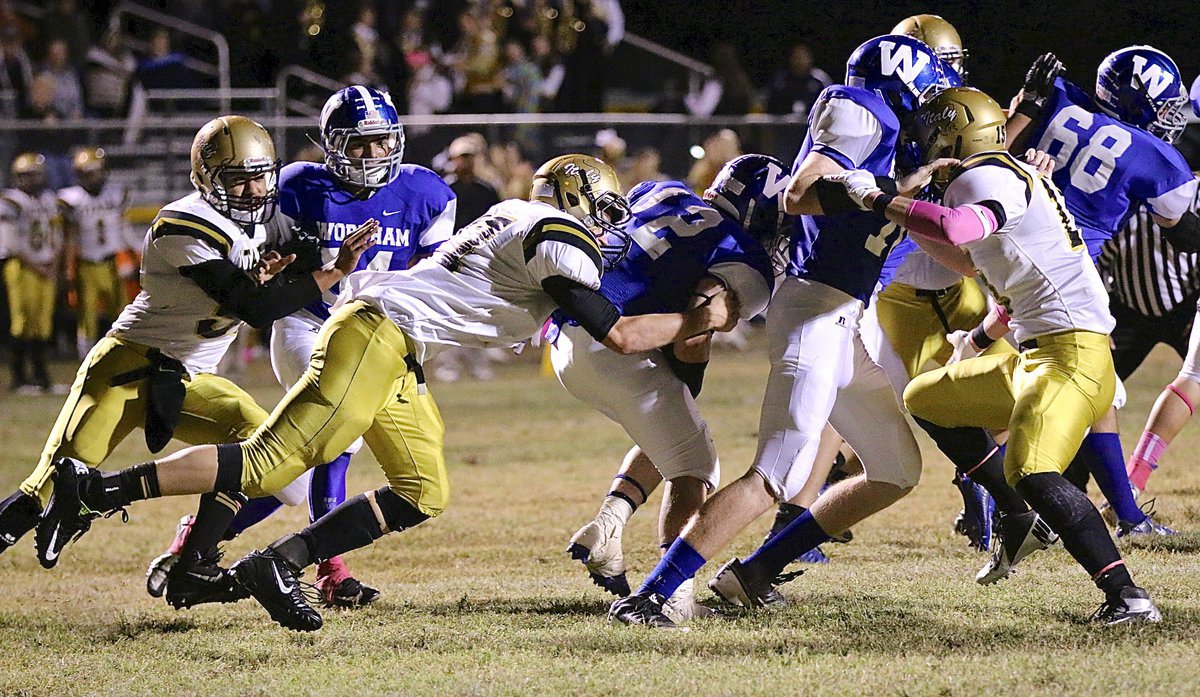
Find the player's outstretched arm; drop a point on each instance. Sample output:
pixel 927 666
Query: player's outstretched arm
pixel 802 197
pixel 1029 102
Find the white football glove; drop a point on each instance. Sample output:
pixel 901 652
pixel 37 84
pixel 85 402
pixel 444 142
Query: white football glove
pixel 963 347
pixel 859 185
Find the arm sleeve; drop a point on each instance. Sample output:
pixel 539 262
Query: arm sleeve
pixel 844 131
pixel 242 297
pixel 585 305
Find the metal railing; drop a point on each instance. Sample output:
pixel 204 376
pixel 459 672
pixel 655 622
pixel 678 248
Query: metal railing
pixel 657 49
pixel 221 46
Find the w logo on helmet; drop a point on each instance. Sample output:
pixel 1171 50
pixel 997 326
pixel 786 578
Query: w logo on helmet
pixel 1153 77
pixel 901 61
pixel 775 181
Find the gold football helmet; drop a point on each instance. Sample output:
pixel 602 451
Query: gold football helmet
pixel 234 151
pixel 939 35
pixel 91 168
pixel 959 122
pixel 588 189
pixel 29 172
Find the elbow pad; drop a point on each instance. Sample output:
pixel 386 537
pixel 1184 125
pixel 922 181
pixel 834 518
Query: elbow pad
pixel 834 198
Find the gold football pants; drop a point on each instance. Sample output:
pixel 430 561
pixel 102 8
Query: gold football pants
pixel 361 380
pixel 1047 397
pixel 31 298
pixel 100 287
pixel 917 321
pixel 97 416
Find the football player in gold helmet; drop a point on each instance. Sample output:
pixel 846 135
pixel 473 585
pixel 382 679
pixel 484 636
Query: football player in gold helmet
pixel 939 35
pixel 203 277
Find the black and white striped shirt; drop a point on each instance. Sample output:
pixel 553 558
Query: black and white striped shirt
pixel 1143 271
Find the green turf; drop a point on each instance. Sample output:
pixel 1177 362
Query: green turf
pixel 484 601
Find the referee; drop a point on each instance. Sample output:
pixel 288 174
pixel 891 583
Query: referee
pixel 1153 291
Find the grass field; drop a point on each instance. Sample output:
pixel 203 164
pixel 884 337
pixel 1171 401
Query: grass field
pixel 483 600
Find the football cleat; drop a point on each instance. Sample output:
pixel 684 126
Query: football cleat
pixel 66 517
pixel 642 609
pixel 738 586
pixel 19 514
pixel 682 605
pixel 156 573
pixel 1131 605
pixel 202 582
pixel 1019 536
pixel 1146 528
pixel 272 581
pixel 975 520
pixel 598 546
pixel 339 589
pixel 813 556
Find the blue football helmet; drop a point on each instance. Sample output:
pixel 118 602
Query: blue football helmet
pixel 749 190
pixel 356 112
pixel 1141 86
pixel 1194 94
pixel 901 70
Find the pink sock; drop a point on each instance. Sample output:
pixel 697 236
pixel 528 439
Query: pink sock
pixel 1145 459
pixel 333 569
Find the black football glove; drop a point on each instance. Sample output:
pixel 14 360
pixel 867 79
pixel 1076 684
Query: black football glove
pixel 1039 80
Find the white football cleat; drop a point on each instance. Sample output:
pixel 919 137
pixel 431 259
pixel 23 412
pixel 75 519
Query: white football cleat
pixel 682 605
pixel 598 546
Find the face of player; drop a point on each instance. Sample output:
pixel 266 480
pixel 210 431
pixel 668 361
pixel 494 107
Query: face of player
pixel 364 147
pixel 245 185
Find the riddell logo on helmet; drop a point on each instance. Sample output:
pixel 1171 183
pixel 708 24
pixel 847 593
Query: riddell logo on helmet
pixel 372 122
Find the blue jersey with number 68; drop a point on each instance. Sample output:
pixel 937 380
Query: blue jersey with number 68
pixel 856 129
pixel 1106 168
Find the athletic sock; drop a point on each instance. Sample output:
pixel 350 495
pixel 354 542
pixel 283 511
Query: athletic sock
pixel 351 525
pixel 1070 513
pixel 217 509
pixel 1102 454
pixel 801 535
pixel 327 489
pixel 680 563
pixel 1145 458
pixel 975 454
pixel 252 513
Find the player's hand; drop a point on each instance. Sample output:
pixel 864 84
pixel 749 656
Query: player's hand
pixel 1039 80
pixel 355 244
pixel 1040 160
pixel 859 185
pixel 963 346
pixel 916 182
pixel 270 265
pixel 721 311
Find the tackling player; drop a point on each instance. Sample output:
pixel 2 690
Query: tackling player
pixel 94 219
pixel 820 370
pixel 684 248
pixel 1014 229
pixel 31 272
pixel 363 178
pixel 492 284
pixel 201 272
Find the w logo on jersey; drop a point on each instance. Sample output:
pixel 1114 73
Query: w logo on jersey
pixel 901 61
pixel 1153 77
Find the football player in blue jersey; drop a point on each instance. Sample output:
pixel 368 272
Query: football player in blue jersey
pixel 1112 154
pixel 820 370
pixel 363 178
pixel 683 249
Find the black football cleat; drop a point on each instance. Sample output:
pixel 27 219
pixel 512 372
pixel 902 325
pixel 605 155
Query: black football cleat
pixel 202 581
pixel 19 514
pixel 66 517
pixel 645 609
pixel 347 593
pixel 271 580
pixel 1131 605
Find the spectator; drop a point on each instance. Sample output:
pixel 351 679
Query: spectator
pixel 585 57
pixel 366 37
pixel 67 21
pixel 521 80
pixel 719 148
pixel 514 171
pixel 16 73
pixel 611 148
pixel 794 89
pixel 108 76
pixel 550 67
pixel 727 92
pixel 411 37
pixel 467 181
pixel 67 101
pixel 429 92
pixel 478 67
pixel 164 68
pixel 646 167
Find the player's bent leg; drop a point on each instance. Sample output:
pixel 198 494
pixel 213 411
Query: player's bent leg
pixel 327 490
